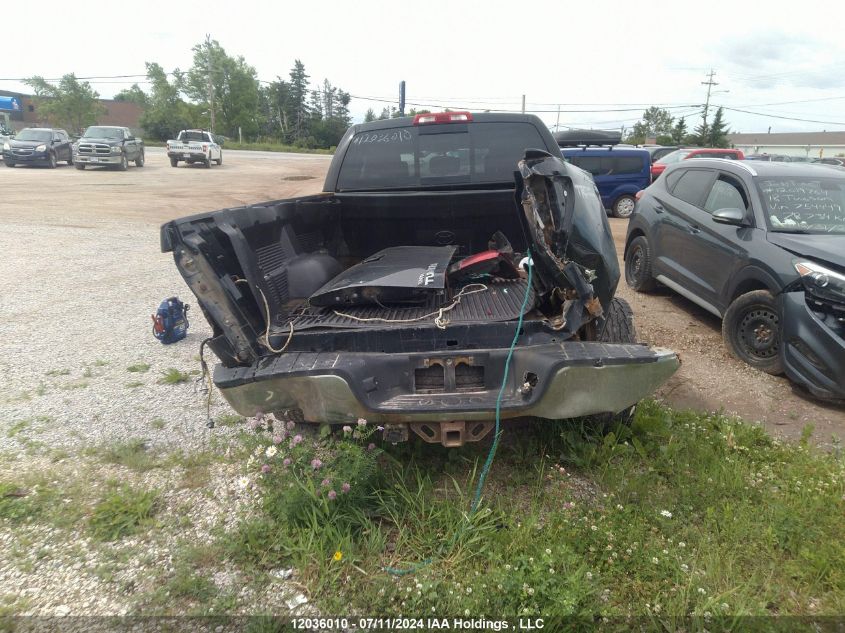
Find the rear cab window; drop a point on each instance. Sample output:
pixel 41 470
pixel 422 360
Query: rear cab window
pixel 436 155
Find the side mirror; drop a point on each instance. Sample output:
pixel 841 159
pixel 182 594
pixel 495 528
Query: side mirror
pixel 130 138
pixel 734 217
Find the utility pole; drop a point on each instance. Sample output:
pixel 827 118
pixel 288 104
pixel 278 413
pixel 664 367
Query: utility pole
pixel 557 120
pixel 523 104
pixel 210 85
pixel 709 83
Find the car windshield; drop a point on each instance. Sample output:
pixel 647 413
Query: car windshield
pixel 674 157
pixel 804 205
pixel 104 132
pixel 35 135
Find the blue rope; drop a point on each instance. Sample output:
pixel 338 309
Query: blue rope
pixel 492 453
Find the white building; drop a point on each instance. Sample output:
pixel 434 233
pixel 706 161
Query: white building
pixel 807 144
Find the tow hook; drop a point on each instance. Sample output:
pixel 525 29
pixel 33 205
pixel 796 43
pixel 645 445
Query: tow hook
pixel 529 381
pixel 395 433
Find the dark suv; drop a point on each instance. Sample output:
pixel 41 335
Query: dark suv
pixel 38 146
pixel 760 245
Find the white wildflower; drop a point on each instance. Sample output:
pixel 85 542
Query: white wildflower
pixel 666 514
pixel 271 450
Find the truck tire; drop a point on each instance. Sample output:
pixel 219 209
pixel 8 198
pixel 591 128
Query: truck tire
pixel 618 328
pixel 751 330
pixel 174 162
pixel 124 163
pixel 638 265
pixel 207 163
pixel 9 163
pixel 139 162
pixel 70 159
pixel 219 161
pixel 80 166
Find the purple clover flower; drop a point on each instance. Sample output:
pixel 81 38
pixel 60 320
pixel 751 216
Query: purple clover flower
pixel 362 422
pixel 345 487
pixel 286 462
pixel 347 430
pixel 265 468
pixel 278 439
pixel 296 440
pixel 326 482
pixel 316 464
pixel 332 495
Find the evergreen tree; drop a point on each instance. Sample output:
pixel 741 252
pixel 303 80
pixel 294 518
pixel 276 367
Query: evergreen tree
pixel 369 116
pixel 679 131
pixel 297 106
pixel 718 130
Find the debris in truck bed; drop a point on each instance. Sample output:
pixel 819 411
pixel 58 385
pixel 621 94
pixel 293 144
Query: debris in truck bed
pixel 400 274
pixel 500 301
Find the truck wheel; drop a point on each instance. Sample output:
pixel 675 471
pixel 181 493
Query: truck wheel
pixel 51 161
pixel 124 163
pixel 618 328
pixel 80 165
pixel 751 330
pixel 638 265
pixel 207 163
pixel 219 161
pixel 139 162
pixel 174 162
pixel 624 206
pixel 9 163
pixel 70 159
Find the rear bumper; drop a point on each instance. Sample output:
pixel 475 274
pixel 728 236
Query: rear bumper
pixel 570 379
pixel 191 157
pixel 813 348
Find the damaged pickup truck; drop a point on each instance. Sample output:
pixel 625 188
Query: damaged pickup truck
pixel 401 293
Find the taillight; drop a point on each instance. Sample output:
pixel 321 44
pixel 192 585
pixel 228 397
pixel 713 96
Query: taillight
pixel 168 146
pixel 442 117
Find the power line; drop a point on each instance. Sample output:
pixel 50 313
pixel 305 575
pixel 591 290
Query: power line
pixel 786 118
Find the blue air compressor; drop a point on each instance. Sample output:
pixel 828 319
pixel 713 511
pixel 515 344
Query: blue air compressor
pixel 170 322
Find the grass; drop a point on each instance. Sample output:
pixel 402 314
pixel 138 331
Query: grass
pixel 138 368
pixel 58 372
pixel 123 512
pixel 173 376
pixel 132 454
pixel 680 514
pixel 134 384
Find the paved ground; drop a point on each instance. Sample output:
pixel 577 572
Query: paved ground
pixel 82 266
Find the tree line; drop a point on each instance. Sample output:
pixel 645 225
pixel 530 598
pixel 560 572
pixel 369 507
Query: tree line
pixel 218 86
pixel 659 124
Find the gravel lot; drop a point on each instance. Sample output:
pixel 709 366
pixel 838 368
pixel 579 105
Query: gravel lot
pixel 83 272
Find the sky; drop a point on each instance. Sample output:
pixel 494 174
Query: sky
pixel 610 60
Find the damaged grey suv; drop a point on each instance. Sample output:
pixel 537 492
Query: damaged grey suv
pixel 454 271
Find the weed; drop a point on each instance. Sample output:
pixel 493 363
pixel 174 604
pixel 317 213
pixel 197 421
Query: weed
pixel 138 368
pixel 18 427
pixel 100 363
pixel 77 384
pixel 123 512
pixel 134 384
pixel 57 372
pixel 87 373
pixel 229 419
pixel 173 376
pixel 157 423
pixel 132 454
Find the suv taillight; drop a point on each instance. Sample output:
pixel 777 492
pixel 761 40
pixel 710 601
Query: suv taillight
pixel 442 117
